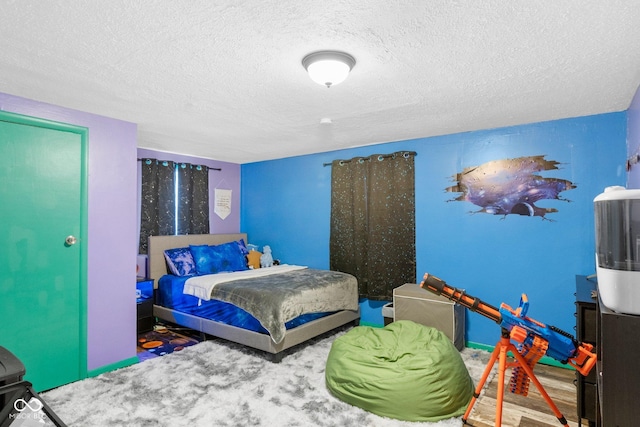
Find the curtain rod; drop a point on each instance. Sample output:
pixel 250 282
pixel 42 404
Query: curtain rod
pixel 405 154
pixel 210 168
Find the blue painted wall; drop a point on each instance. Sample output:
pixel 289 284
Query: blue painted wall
pixel 286 204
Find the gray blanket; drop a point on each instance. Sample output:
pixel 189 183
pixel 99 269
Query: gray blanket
pixel 276 299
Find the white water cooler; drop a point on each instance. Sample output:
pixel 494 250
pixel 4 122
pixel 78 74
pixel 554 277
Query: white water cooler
pixel 617 223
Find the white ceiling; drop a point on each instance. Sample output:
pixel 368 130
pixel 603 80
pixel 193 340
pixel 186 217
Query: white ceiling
pixel 223 79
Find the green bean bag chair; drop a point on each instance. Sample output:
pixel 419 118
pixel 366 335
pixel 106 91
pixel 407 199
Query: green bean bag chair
pixel 404 371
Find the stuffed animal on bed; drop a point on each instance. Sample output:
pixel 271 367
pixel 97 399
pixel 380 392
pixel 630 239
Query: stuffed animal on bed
pixel 253 259
pixel 266 260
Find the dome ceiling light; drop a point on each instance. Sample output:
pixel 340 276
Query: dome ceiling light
pixel 328 67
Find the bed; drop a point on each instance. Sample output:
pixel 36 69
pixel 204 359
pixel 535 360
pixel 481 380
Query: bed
pixel 273 341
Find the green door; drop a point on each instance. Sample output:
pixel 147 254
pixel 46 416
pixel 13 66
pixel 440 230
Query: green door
pixel 43 248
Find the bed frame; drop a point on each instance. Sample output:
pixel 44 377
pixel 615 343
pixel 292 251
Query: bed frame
pixel 298 335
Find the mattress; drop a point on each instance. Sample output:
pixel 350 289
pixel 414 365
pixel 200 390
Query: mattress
pixel 170 294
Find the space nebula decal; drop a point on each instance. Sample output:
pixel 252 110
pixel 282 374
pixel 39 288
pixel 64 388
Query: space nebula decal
pixel 510 186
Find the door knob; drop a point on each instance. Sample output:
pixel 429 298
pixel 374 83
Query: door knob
pixel 70 240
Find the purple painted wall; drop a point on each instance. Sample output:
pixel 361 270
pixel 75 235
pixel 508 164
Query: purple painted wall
pixel 227 179
pixel 633 141
pixel 112 241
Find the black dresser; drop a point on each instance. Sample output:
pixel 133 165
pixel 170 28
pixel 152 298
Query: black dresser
pixel 617 368
pixel 616 400
pixel 586 331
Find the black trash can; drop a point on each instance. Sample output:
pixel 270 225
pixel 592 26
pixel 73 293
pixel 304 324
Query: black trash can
pixel 11 371
pixel 13 387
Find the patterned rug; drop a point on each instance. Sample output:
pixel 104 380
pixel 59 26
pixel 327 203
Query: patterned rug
pixel 161 342
pixel 217 383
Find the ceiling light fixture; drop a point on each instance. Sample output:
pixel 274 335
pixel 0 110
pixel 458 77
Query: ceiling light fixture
pixel 328 67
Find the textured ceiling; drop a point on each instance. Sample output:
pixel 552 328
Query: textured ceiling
pixel 223 79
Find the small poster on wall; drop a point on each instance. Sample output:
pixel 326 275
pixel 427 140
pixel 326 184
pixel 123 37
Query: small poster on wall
pixel 222 203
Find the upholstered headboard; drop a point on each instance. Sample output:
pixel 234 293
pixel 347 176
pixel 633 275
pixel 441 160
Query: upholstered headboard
pixel 158 244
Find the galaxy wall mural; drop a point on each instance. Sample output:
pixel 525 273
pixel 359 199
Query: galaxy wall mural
pixel 510 186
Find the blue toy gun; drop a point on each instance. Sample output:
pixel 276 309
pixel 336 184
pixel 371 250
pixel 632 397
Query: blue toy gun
pixel 561 345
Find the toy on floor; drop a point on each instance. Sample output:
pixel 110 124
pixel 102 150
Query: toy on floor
pixel 266 260
pixel 534 339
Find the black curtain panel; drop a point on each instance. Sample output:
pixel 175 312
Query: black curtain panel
pixel 348 234
pixel 175 200
pixel 193 199
pixel 157 213
pixel 373 222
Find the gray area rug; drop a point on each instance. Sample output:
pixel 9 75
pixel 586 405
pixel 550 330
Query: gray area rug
pixel 216 383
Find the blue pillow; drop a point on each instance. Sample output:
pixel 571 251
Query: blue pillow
pixel 231 256
pixel 180 262
pixel 243 247
pixel 204 259
pixel 226 257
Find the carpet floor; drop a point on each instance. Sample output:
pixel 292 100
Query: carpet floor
pixel 217 383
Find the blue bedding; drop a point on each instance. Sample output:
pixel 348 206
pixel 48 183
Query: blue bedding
pixel 170 295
